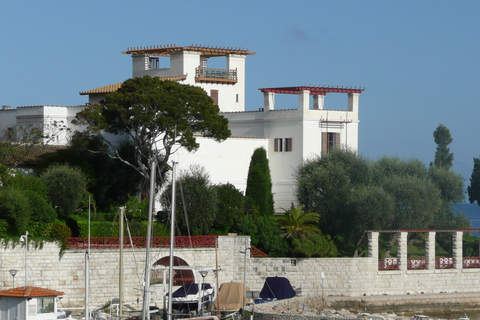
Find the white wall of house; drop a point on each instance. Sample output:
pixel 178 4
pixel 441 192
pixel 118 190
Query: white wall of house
pixel 227 161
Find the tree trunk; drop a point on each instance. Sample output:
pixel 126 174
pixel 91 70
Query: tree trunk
pixel 390 245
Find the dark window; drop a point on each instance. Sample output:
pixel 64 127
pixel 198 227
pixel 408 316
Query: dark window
pixel 330 140
pixel 282 145
pixel 214 96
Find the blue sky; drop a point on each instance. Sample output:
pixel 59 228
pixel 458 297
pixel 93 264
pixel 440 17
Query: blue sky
pixel 418 60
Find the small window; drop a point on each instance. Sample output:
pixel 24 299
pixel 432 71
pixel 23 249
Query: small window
pixel 45 305
pixel 214 96
pixel 282 145
pixel 330 140
pixel 237 97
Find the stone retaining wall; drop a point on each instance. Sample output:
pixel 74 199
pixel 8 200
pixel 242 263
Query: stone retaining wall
pixel 348 277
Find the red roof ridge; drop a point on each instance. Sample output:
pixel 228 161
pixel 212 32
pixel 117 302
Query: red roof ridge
pixel 30 292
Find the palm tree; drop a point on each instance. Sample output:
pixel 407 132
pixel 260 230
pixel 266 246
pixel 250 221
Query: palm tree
pixel 298 224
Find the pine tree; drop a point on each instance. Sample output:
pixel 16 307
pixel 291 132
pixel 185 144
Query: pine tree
pixel 259 184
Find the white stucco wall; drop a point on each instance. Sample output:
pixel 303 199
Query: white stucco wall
pixel 226 161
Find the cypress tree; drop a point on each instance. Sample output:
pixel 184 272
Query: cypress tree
pixel 474 187
pixel 259 183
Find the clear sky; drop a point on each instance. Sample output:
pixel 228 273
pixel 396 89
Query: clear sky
pixel 418 60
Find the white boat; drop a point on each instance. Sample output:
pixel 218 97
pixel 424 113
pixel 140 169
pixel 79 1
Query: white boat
pixel 369 316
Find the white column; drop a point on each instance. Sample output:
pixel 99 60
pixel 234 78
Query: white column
pixel 458 249
pixel 353 102
pixel 430 250
pixel 318 102
pixel 373 246
pixel 402 250
pixel 303 100
pixel 268 101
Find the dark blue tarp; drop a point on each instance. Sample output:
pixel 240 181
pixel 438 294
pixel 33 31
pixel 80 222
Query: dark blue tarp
pixel 188 289
pixel 277 288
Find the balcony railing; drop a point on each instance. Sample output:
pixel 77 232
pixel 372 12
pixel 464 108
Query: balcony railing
pixel 471 262
pixel 203 74
pixel 388 264
pixel 444 263
pixel 157 242
pixel 417 263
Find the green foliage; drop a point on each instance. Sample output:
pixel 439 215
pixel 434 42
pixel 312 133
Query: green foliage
pixel 41 210
pixel 443 157
pixel 136 210
pixel 298 224
pixel 66 187
pixel 196 202
pixel 155 115
pixel 259 183
pixel 110 181
pixel 15 209
pixel 230 206
pixel 314 245
pixel 59 231
pixel 264 233
pixel 387 194
pixel 449 183
pixel 474 187
pixel 19 181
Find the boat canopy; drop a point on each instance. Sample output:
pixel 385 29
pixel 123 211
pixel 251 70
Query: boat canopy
pixel 230 297
pixel 277 288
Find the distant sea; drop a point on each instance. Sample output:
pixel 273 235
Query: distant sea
pixel 472 211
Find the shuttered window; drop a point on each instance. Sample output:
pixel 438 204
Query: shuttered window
pixel 330 140
pixel 214 96
pixel 282 145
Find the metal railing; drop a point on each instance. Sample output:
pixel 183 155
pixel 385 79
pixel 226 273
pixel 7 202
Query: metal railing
pixel 388 264
pixel 417 263
pixel 471 262
pixel 157 242
pixel 207 74
pixel 444 263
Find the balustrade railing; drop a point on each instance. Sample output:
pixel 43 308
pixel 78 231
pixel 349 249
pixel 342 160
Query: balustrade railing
pixel 157 242
pixel 202 73
pixel 444 263
pixel 388 264
pixel 471 262
pixel 416 263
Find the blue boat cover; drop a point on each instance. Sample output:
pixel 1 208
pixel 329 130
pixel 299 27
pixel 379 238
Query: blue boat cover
pixel 277 288
pixel 188 289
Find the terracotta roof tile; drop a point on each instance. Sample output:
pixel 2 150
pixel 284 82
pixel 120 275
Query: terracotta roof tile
pixel 30 292
pixel 114 87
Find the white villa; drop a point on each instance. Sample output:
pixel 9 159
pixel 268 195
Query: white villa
pixel 289 135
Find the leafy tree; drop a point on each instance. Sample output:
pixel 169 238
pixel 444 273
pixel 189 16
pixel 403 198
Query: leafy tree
pixel 474 187
pixel 41 210
pixel 370 208
pixel 259 183
pixel 264 234
pixel 324 185
pixel 388 194
pixel 109 180
pixel 196 202
pixel 18 145
pixel 443 157
pixel 157 117
pixel 230 207
pixel 66 187
pixel 298 224
pixel 314 245
pixel 15 209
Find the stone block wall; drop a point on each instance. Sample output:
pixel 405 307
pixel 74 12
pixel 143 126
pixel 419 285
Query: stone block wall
pixel 351 277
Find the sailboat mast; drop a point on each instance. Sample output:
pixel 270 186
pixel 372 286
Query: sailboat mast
pixel 146 292
pixel 87 270
pixel 172 243
pixel 120 267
